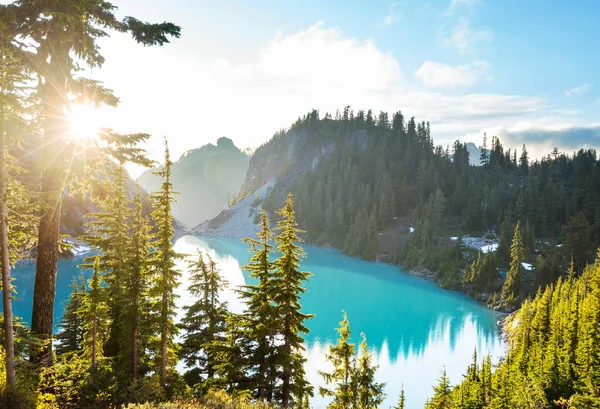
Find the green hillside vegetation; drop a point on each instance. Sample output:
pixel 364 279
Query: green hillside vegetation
pixel 383 174
pixel 207 178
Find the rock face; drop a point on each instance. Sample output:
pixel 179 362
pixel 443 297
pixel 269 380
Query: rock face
pixel 272 169
pixel 206 179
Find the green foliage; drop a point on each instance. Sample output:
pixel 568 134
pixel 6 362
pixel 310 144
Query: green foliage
pixel 289 280
pixel 512 288
pixel 204 323
pixel 70 336
pixel 165 276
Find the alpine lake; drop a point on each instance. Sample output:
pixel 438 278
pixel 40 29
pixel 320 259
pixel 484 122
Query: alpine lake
pixel 415 329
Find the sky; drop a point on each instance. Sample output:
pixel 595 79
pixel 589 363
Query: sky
pixel 526 71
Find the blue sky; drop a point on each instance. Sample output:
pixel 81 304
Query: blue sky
pixel 526 71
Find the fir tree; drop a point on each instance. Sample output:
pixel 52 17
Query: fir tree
pixel 95 317
pixel 369 393
pixel 289 280
pixel 134 322
pixel 71 332
pixel 401 400
pixel 260 317
pixel 165 276
pixel 342 356
pixel 204 323
pixel 512 286
pixel 442 394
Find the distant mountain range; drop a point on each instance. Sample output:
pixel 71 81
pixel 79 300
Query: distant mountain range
pixel 206 178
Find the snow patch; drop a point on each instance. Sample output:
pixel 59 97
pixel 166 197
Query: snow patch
pixel 411 229
pixel 527 266
pixel 490 248
pixel 454 238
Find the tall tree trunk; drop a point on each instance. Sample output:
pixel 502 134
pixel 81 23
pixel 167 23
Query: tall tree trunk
pixel 53 179
pixel 6 300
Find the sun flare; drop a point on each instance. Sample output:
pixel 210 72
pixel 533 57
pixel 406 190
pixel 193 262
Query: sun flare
pixel 84 121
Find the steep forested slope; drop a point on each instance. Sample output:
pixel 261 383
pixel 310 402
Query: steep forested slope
pixel 378 188
pixel 205 178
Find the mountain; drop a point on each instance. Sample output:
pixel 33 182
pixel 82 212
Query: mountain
pixel 474 154
pixel 206 178
pixel 378 188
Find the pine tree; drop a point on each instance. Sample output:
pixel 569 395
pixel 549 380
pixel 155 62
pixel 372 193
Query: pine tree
pixel 342 356
pixel 95 317
pixel 65 34
pixel 166 277
pixel 134 323
pixel 71 332
pixel 260 317
pixel 205 321
pixel 289 280
pixel 401 400
pixel 442 394
pixel 512 286
pixel 107 232
pixel 369 393
pixel 16 212
pixel 484 157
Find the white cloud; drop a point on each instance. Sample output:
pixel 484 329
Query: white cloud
pixel 466 38
pixel 435 74
pixel 392 17
pixel 580 90
pixel 193 97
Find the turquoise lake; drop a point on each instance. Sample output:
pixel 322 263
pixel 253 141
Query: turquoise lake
pixel 414 328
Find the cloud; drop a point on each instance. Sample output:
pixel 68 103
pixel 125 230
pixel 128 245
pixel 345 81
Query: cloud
pixel 542 135
pixel 576 91
pixel 438 75
pixel 392 17
pixel 466 38
pixel 208 96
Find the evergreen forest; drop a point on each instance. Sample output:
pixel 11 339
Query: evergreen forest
pixel 372 185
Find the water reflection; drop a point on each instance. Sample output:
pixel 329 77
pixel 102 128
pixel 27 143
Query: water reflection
pixel 414 328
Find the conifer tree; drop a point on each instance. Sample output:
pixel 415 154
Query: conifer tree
pixel 205 321
pixel 512 286
pixel 442 394
pixel 289 280
pixel 369 393
pixel 166 277
pixel 260 317
pixel 134 323
pixel 342 356
pixel 484 157
pixel 16 212
pixel 401 400
pixel 95 317
pixel 65 35
pixel 107 232
pixel 70 335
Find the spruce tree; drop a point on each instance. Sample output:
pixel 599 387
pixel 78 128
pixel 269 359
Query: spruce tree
pixel 65 37
pixel 107 232
pixel 342 356
pixel 512 286
pixel 401 400
pixel 134 323
pixel 71 331
pixel 260 316
pixel 165 276
pixel 95 317
pixel 205 321
pixel 289 280
pixel 442 394
pixel 369 393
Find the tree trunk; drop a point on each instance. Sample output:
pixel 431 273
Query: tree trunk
pixel 53 180
pixel 134 345
pixel 6 293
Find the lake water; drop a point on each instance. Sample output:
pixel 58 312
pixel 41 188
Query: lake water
pixel 414 328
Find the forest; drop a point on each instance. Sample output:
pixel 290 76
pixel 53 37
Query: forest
pixel 381 170
pixel 119 343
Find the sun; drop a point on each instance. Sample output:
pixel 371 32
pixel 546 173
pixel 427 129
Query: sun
pixel 84 121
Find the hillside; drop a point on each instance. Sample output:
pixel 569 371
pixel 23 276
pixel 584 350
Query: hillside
pixel 205 178
pixel 379 189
